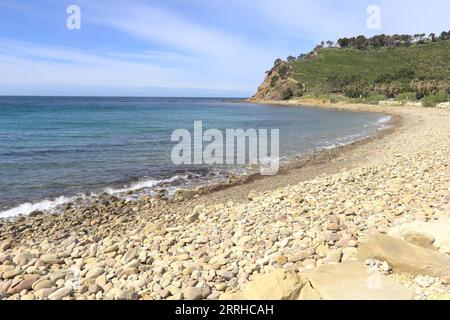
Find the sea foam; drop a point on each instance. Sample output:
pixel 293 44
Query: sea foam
pixel 27 208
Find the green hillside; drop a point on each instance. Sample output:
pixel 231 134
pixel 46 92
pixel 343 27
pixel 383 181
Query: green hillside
pixel 413 72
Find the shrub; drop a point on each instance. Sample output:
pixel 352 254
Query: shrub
pixel 287 94
pixel 298 93
pixel 283 71
pixel 357 90
pixel 410 96
pixel 433 99
pixel 374 98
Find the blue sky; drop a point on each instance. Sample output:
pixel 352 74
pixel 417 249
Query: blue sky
pixel 180 47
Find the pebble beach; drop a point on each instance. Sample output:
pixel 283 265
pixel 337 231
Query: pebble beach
pixel 214 246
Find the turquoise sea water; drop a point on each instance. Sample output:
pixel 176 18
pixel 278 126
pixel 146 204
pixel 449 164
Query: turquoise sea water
pixel 55 148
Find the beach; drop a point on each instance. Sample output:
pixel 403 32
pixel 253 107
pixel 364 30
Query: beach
pixel 214 244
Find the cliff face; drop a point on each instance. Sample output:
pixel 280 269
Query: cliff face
pixel 279 85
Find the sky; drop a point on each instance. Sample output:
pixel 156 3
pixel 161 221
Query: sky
pixel 201 48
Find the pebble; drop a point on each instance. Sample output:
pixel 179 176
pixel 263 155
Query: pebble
pixel 228 275
pixel 94 273
pixel 60 294
pixel 51 258
pixel 281 260
pixel 25 284
pixel 43 284
pixel 193 293
pixel 5 245
pixel 94 289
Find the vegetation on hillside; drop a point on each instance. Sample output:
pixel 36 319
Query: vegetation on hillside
pixel 382 67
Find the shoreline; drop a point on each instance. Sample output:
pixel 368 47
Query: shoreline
pixel 213 245
pixel 317 158
pixel 58 204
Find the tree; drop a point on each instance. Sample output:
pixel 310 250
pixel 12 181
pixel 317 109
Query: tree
pixel 361 42
pixel 330 43
pixel 378 41
pixel 406 39
pixel 421 37
pixel 344 42
pixel 290 59
pixel 432 37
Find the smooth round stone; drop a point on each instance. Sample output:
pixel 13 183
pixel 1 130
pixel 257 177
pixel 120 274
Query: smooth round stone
pixel 281 260
pixel 60 294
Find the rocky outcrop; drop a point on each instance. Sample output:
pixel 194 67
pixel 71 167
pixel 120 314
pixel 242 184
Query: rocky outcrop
pixel 404 256
pixel 278 85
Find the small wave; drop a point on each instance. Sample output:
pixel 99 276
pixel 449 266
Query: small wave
pixel 343 141
pixel 146 184
pixel 329 147
pixel 349 139
pixel 384 119
pixel 27 208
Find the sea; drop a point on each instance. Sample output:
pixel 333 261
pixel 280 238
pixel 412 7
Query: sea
pixel 54 150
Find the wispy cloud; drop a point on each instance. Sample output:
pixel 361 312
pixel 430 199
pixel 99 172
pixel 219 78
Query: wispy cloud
pixel 29 63
pixel 213 52
pixel 167 27
pixel 176 52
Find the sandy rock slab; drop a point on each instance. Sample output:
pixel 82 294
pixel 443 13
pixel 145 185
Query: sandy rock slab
pixel 351 281
pixel 347 281
pixel 404 256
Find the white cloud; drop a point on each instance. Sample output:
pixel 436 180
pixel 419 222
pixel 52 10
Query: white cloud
pixel 167 27
pixel 175 52
pixel 29 64
pixel 216 54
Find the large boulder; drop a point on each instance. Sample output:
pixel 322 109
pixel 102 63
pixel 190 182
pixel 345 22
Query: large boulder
pixel 404 256
pixel 276 285
pixel 351 281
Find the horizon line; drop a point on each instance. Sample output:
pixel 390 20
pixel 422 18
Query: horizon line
pixel 107 96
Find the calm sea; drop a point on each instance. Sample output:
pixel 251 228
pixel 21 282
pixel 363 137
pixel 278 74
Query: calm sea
pixel 55 148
